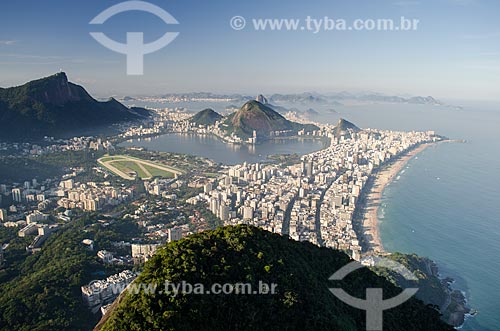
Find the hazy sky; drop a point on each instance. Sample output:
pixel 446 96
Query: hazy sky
pixel 455 53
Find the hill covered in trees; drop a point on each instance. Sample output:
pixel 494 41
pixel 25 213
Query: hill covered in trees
pixel 206 117
pixel 245 254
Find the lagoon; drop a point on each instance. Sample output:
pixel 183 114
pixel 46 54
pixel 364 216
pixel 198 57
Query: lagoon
pixel 213 148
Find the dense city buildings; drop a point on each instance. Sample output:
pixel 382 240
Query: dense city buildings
pixel 315 200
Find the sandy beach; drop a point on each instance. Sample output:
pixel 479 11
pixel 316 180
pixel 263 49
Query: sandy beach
pixel 373 197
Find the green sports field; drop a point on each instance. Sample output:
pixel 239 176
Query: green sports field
pixel 129 167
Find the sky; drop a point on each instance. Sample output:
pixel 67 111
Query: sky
pixel 454 53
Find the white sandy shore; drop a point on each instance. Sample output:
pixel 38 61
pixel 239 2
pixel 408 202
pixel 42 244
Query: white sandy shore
pixel 373 198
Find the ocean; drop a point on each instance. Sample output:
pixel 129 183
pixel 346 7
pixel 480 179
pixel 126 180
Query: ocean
pixel 445 204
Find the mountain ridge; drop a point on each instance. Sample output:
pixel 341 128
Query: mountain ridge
pixel 310 98
pixel 53 106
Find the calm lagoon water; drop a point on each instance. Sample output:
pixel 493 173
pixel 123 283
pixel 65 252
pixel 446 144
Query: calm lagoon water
pixel 211 147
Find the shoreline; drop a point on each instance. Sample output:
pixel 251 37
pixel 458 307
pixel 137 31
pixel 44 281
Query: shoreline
pixel 456 309
pixel 372 198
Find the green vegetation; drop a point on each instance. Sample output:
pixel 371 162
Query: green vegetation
pixel 206 117
pixel 42 291
pixel 54 106
pixel 126 167
pixel 182 162
pixel 129 166
pixel 21 169
pixel 47 166
pixel 432 290
pixel 248 254
pixel 285 160
pixel 256 116
pixel 213 221
pixel 155 172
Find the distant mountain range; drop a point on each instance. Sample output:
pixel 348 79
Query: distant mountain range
pixel 254 116
pixel 298 98
pixel 53 106
pixel 307 98
pixel 377 97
